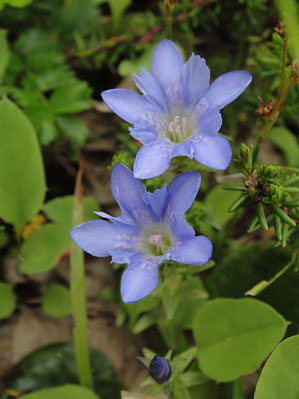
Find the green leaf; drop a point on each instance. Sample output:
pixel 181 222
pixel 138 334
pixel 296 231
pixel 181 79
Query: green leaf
pixel 182 361
pixel 22 178
pixel 7 300
pixel 234 336
pixel 219 201
pixel 56 301
pixel 73 127
pixel 59 209
pixel 65 392
pixel 145 321
pixel 180 392
pixel 285 140
pixel 279 378
pixel 48 132
pixel 4 238
pixel 42 250
pixel 135 309
pixel 192 378
pixel 14 3
pixel 59 368
pixel 4 52
pixel 127 67
pixel 73 97
pixel 117 9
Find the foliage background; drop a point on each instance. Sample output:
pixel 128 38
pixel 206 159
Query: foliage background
pixel 55 59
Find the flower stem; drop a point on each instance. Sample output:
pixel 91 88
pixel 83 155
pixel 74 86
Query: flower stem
pixel 258 288
pixel 78 299
pixel 169 4
pixel 287 82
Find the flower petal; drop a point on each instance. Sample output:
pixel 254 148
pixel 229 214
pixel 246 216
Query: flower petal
pixel 185 148
pixel 140 278
pixel 128 193
pixel 148 85
pixel 181 229
pixel 209 123
pixel 226 88
pixel 125 218
pixel 145 135
pixel 157 200
pixel 127 104
pixel 196 79
pixel 153 160
pixel 182 192
pixel 212 151
pixel 99 237
pixel 167 64
pixel 193 251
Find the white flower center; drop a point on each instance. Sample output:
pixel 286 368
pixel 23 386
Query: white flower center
pixel 177 126
pixel 155 239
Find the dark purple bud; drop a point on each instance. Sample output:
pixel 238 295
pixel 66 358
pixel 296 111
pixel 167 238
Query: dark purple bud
pixel 160 369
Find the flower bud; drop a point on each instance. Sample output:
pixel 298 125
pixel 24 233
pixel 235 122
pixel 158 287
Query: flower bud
pixel 160 369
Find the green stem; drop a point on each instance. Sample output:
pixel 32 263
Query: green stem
pixel 257 289
pixel 78 299
pixel 287 82
pixel 168 11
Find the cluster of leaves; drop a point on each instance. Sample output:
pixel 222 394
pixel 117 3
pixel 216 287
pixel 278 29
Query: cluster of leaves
pixel 224 330
pixel 270 188
pixel 44 243
pixel 46 88
pixel 43 238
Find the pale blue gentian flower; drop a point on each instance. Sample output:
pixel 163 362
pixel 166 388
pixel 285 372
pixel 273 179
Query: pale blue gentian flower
pixel 151 229
pixel 179 111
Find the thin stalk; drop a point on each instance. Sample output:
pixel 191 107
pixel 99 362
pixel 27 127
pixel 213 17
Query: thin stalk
pixel 287 82
pixel 169 4
pixel 78 299
pixel 258 288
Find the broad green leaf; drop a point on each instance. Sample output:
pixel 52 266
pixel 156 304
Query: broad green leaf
pixel 287 142
pixel 14 3
pixel 234 336
pixel 65 392
pixel 59 210
pixel 42 250
pixel 7 300
pixel 219 201
pixel 56 301
pixel 279 378
pixel 4 52
pixel 22 178
pixel 55 365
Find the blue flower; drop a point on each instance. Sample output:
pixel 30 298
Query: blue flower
pixel 160 369
pixel 179 112
pixel 151 229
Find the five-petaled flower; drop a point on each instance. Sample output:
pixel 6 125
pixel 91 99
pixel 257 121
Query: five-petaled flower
pixel 179 112
pixel 151 229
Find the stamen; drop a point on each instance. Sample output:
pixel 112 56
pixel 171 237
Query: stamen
pixel 158 244
pixel 180 128
pixel 156 240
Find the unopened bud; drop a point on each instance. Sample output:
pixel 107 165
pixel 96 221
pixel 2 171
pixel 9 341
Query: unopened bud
pixel 160 369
